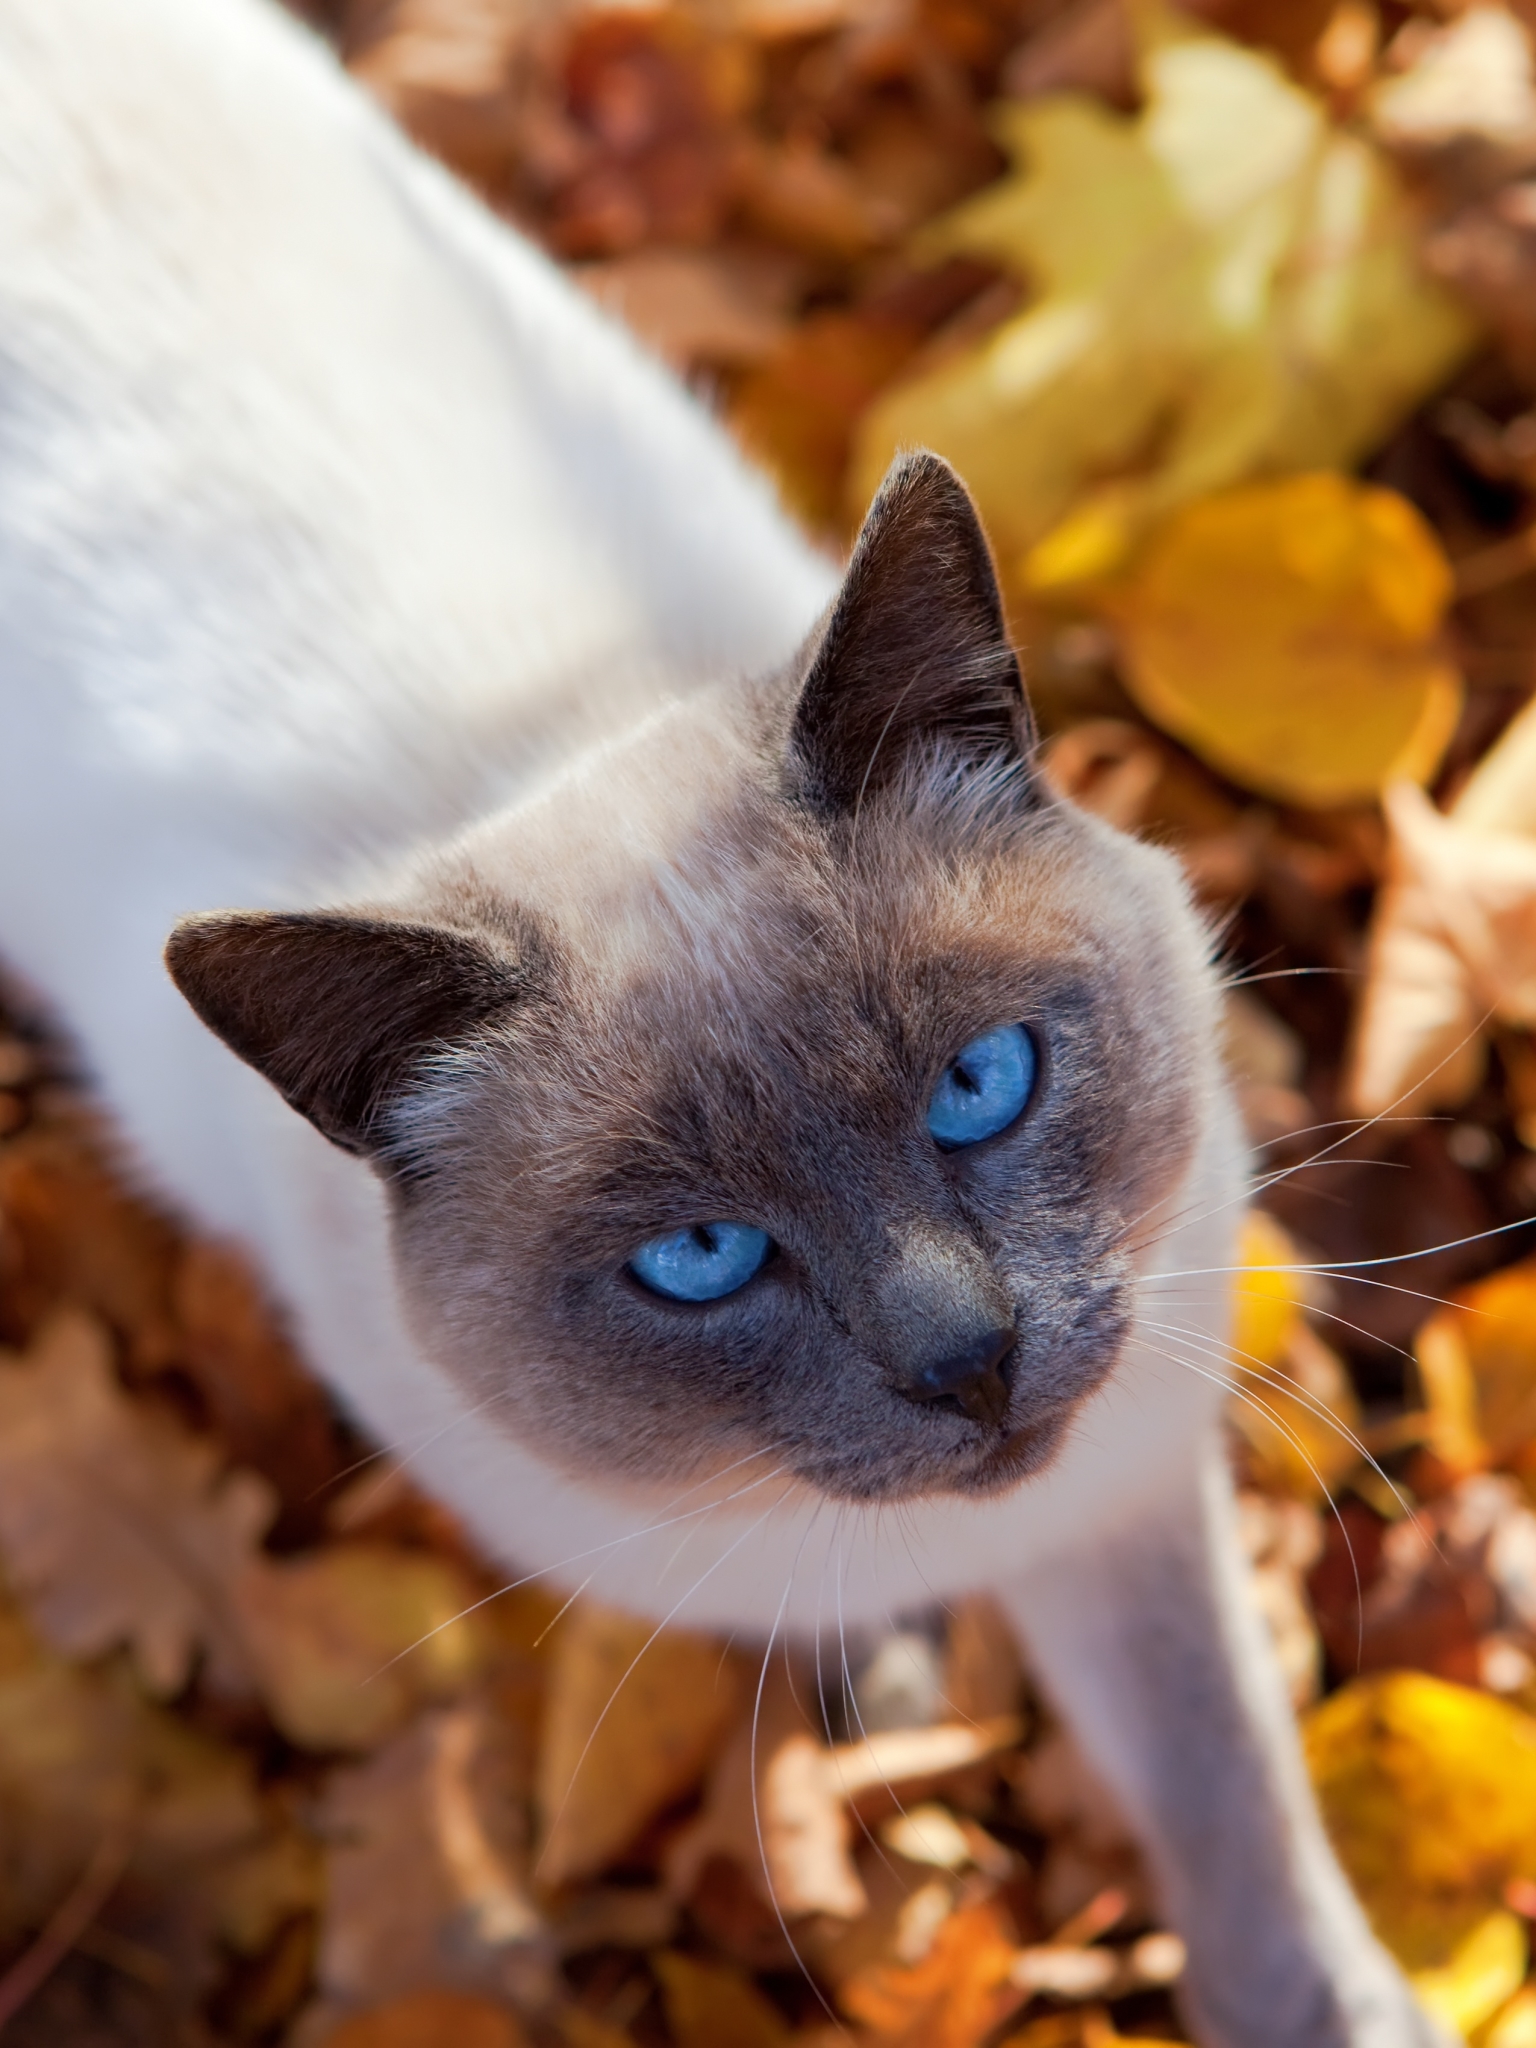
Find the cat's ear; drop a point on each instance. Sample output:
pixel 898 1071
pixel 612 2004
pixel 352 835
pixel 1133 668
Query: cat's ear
pixel 915 650
pixel 338 1011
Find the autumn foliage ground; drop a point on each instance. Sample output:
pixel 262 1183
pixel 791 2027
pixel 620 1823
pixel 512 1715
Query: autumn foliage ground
pixel 1230 322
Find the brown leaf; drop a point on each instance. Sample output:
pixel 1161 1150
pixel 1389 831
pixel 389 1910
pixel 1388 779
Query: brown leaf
pixel 426 1865
pixel 75 1235
pixel 632 1718
pixel 116 1525
pixel 270 1414
pixel 347 1641
pixel 431 2019
pixel 81 1753
pixel 691 305
pixel 709 2005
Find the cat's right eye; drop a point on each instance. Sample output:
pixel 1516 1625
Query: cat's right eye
pixel 705 1262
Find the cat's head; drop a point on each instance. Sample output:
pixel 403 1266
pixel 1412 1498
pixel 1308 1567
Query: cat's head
pixel 796 1079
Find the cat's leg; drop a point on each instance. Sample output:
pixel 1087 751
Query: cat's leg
pixel 1149 1645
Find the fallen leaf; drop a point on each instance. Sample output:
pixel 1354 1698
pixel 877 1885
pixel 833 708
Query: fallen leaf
pixel 1485 1970
pixel 1293 1402
pixel 75 1235
pixel 346 1641
pixel 426 1866
pixel 1226 286
pixel 1471 80
pixel 691 305
pixel 953 1996
pixel 267 1410
pixel 116 1525
pixel 633 1716
pixel 1477 1367
pixel 1515 2026
pixel 431 2019
pixel 709 2005
pixel 208 1862
pixel 1453 939
pixel 1429 1794
pixel 1287 633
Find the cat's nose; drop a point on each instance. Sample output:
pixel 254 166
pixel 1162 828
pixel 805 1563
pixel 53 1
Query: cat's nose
pixel 973 1379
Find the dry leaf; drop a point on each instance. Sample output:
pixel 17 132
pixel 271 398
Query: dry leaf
pixel 1484 1972
pixel 1429 1794
pixel 426 1865
pixel 266 1409
pixel 1294 1403
pixel 632 1718
pixel 1227 285
pixel 709 2006
pixel 1515 2026
pixel 347 1641
pixel 74 1234
pixel 690 305
pixel 81 1753
pixel 1286 632
pixel 1453 942
pixel 116 1525
pixel 431 2019
pixel 953 1996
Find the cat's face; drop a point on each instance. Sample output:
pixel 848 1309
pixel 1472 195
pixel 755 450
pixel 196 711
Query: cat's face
pixel 810 1118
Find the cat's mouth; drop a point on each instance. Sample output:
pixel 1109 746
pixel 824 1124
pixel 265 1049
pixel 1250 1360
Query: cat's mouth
pixel 1021 1454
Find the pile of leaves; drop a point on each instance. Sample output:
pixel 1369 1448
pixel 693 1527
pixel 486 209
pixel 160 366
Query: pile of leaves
pixel 1229 319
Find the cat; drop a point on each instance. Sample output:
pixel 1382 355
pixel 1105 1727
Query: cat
pixel 758 1151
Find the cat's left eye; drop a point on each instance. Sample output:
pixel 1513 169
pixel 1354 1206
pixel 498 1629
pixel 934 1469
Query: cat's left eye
pixel 985 1087
pixel 705 1262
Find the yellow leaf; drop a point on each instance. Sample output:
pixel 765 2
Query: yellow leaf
pixel 1286 632
pixel 347 1641
pixel 1486 1969
pixel 1429 1793
pixel 708 2005
pixel 1515 2026
pixel 1295 1405
pixel 632 1717
pixel 1268 1293
pixel 1477 1364
pixel 1226 286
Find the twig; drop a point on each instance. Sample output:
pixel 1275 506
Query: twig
pixel 69 1920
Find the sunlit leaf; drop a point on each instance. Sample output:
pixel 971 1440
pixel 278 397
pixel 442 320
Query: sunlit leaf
pixel 1484 1971
pixel 1287 632
pixel 1429 1793
pixel 1226 286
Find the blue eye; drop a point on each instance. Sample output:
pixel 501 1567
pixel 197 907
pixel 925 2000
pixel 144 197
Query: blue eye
pixel 702 1263
pixel 984 1088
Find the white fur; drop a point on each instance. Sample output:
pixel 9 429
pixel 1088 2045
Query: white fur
pixel 331 519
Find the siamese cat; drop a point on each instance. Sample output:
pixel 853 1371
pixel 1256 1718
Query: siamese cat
pixel 699 1096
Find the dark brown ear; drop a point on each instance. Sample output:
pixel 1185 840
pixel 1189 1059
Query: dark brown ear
pixel 337 1011
pixel 915 651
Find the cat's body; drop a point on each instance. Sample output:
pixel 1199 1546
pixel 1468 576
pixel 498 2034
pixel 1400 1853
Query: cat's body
pixel 347 556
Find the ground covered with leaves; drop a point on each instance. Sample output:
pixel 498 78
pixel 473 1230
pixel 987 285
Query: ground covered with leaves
pixel 1229 319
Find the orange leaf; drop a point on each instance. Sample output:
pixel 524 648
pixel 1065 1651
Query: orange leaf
pixel 953 1997
pixel 431 2019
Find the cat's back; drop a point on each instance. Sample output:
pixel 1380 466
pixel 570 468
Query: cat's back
pixel 319 492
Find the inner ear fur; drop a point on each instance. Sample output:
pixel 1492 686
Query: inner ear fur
pixel 915 650
pixel 338 1011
